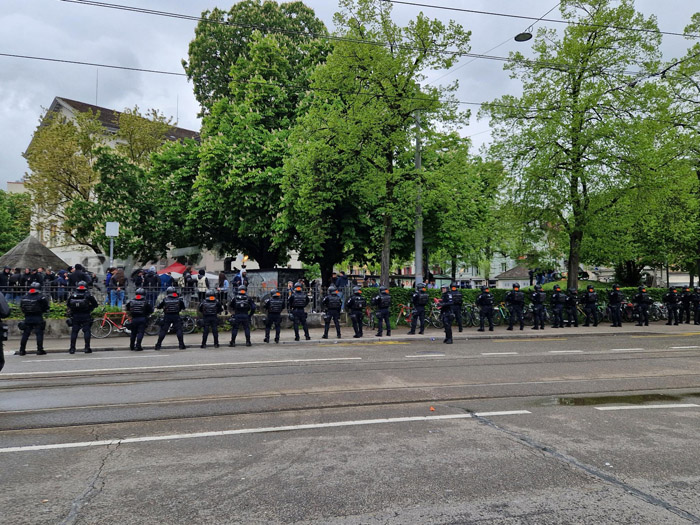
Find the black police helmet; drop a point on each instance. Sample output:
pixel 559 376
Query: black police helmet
pixel 356 289
pixel 383 289
pixel 171 290
pixel 140 291
pixel 332 289
pixel 538 287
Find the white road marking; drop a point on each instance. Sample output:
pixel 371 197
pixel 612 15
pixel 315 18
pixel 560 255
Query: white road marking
pixel 72 359
pixel 566 351
pixel 166 367
pixel 640 407
pixel 683 347
pixel 499 353
pixel 427 355
pixel 625 349
pixel 107 442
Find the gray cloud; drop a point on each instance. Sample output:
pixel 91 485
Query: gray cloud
pixel 56 29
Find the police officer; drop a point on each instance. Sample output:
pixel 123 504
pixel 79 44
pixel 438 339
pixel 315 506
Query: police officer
pixel 615 298
pixel 538 298
pixel 485 303
pixel 243 309
pixel 420 298
pixel 457 301
pixel 171 305
pixel 297 302
pixel 356 305
pixel 210 308
pixel 590 305
pixel 570 306
pixel 382 302
pixel 686 298
pixel 33 306
pixel 273 305
pixel 4 312
pixel 642 301
pixel 332 303
pixel 515 300
pixel 557 301
pixel 139 308
pixel 81 303
pixel 695 300
pixel 672 299
pixel 446 312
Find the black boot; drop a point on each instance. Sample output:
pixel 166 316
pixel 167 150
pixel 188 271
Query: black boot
pixel 71 350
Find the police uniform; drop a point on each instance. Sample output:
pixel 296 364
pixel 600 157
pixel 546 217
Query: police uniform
pixel 570 307
pixel 671 299
pixel 420 299
pixel 615 298
pixel 515 300
pixel 332 303
pixel 589 299
pixel 447 315
pixel 356 305
pixel 382 302
pixel 297 303
pixel 139 308
pixel 642 300
pixel 210 309
pixel 558 300
pixel 485 303
pixel 243 309
pixel 457 302
pixel 33 306
pixel 172 305
pixel 686 299
pixel 538 298
pixel 80 303
pixel 273 305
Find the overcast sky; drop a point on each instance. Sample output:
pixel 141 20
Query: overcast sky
pixel 67 31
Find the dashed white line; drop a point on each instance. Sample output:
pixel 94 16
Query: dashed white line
pixel 426 355
pixel 625 349
pixel 683 347
pixel 566 351
pixel 499 353
pixel 219 433
pixel 642 407
pixel 198 365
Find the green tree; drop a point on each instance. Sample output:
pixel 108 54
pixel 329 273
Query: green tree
pixel 581 137
pixel 15 216
pixel 140 135
pixel 222 42
pixel 360 114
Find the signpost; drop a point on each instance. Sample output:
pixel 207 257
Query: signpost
pixel 111 231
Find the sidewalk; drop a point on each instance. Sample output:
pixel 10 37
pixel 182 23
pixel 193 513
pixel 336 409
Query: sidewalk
pixel 121 342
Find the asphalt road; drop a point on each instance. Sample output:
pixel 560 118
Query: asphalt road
pixel 561 428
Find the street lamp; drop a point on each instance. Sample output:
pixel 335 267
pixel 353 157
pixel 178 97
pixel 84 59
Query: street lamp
pixel 524 36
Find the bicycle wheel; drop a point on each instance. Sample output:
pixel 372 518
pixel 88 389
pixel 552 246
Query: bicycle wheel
pixel 100 328
pixel 152 327
pixel 188 325
pixel 497 317
pixel 436 319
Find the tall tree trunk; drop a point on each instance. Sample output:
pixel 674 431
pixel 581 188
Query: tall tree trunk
pixel 386 251
pixel 454 268
pixel 574 257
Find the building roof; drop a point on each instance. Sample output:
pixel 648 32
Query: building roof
pixel 517 273
pixel 30 253
pixel 109 117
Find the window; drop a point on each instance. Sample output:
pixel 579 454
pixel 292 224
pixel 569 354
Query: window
pixel 504 267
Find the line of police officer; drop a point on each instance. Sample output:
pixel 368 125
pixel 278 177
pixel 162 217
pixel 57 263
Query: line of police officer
pixel 81 304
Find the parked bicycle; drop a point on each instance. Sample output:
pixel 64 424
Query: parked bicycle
pixel 156 320
pixel 369 319
pixel 110 322
pixel 405 314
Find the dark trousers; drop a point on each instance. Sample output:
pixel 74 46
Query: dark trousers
pixel 210 322
pixel 538 314
pixel 332 315
pixel 696 313
pixel 591 311
pixel 685 312
pixel 643 311
pixel 277 320
pixel 457 313
pixel 616 314
pixel 35 323
pixel 558 316
pixel 80 322
pixel 138 329
pixel 238 320
pixel 383 316
pixel 151 297
pixel 169 320
pixel 419 314
pixel 571 316
pixel 516 314
pixel 356 318
pixel 672 313
pixel 486 313
pixel 299 316
pixel 447 318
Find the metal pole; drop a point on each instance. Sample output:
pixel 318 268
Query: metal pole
pixel 111 252
pixel 419 207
